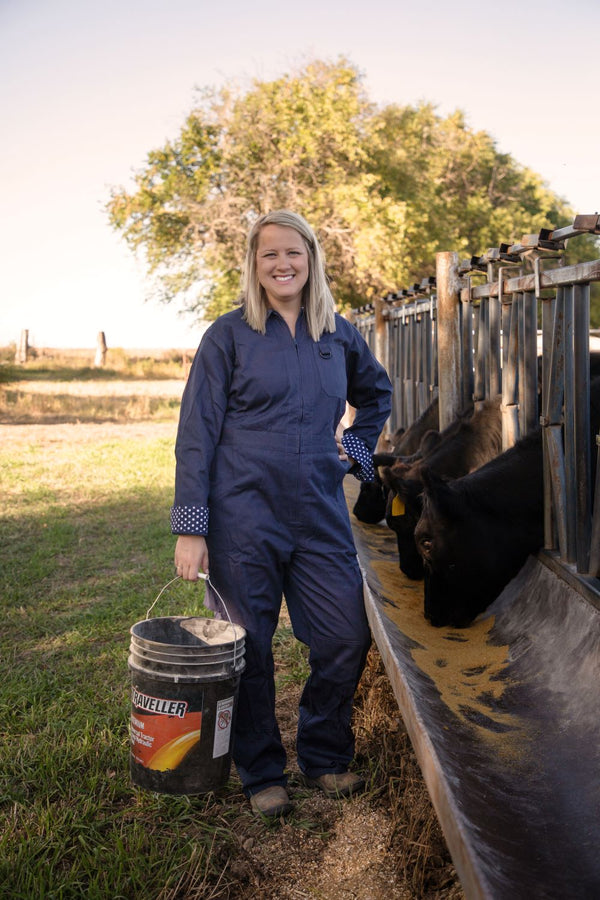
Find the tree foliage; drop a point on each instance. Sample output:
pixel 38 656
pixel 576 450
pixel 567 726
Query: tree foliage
pixel 385 188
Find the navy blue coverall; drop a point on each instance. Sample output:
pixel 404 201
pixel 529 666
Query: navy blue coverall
pixel 256 444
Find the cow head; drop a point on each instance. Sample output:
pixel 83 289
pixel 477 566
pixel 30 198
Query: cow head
pixel 402 514
pixel 461 552
pixel 371 502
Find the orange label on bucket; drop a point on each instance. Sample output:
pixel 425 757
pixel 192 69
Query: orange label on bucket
pixel 162 731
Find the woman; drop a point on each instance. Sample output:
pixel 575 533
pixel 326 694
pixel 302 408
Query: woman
pixel 257 442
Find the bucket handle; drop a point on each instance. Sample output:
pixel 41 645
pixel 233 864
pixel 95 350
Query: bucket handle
pixel 205 577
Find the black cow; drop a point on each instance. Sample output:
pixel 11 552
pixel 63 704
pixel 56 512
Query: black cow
pixel 371 503
pixel 471 440
pixel 475 533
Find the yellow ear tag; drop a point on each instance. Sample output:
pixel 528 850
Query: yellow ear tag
pixel 398 507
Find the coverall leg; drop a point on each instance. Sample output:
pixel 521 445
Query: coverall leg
pixel 327 615
pixel 252 590
pixel 324 594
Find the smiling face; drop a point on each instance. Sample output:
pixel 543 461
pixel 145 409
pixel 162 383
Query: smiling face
pixel 282 266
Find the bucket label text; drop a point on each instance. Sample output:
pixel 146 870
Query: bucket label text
pixel 158 705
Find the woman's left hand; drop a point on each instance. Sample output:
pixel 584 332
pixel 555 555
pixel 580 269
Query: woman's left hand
pixel 338 439
pixel 340 447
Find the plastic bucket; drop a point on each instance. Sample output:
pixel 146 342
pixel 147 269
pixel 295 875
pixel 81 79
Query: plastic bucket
pixel 185 675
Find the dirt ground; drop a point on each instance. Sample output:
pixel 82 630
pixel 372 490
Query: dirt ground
pixel 385 843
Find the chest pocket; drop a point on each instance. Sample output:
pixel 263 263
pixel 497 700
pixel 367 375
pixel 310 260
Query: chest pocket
pixel 331 363
pixel 261 376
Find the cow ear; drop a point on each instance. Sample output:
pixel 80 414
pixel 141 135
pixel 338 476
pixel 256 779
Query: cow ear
pixel 393 476
pixel 429 442
pixel 409 489
pixel 441 494
pixel 395 439
pixel 385 473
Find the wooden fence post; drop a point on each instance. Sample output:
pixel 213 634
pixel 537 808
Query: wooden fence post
pixel 100 359
pixel 22 352
pixel 381 346
pixel 448 336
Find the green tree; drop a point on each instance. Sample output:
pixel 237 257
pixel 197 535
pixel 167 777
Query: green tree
pixel 461 193
pixel 385 188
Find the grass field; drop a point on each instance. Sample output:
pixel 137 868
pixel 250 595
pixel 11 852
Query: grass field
pixel 85 550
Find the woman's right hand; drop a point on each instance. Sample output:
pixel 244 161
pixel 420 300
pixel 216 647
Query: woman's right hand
pixel 191 556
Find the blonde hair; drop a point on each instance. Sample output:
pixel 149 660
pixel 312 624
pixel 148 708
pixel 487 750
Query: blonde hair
pixel 319 305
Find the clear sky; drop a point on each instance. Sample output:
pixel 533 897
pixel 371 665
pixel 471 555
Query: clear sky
pixel 87 89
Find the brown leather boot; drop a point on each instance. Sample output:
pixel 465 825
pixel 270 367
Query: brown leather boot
pixel 340 784
pixel 274 801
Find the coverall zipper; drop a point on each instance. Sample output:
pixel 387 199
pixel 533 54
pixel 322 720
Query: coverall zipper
pixel 299 381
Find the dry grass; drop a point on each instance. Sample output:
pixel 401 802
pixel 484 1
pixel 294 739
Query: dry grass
pixel 37 402
pixel 422 859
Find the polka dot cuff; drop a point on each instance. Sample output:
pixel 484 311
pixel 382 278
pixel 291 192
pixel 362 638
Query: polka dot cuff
pixel 359 451
pixel 189 519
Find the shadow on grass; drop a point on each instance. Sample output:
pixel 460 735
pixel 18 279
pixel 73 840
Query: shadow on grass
pixel 74 579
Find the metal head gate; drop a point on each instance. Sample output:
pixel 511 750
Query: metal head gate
pixel 471 334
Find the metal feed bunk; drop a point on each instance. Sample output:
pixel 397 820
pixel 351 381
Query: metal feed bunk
pixel 504 716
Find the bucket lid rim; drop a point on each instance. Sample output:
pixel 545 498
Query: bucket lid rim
pixel 239 632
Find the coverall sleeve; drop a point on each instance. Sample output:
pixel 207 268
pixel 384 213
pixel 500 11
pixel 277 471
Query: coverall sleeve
pixel 370 393
pixel 203 407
